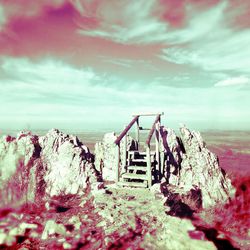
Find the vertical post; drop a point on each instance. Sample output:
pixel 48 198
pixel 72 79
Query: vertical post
pixel 157 148
pixel 137 129
pixel 125 153
pixel 149 173
pixel 117 162
pixel 161 153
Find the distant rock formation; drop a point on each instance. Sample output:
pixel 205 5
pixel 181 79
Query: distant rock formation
pixel 190 170
pixel 34 167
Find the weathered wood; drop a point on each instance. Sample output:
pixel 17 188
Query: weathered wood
pixel 125 131
pixel 152 130
pixel 132 184
pixel 117 162
pixel 157 147
pixel 137 131
pixel 149 173
pixel 136 168
pixel 134 176
pixel 125 152
pixel 148 114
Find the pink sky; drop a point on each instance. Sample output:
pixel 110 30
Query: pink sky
pixel 79 64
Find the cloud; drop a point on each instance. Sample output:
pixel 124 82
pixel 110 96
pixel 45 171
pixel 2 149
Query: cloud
pixel 150 22
pixel 226 50
pixel 221 48
pixel 236 81
pixel 126 22
pixel 49 93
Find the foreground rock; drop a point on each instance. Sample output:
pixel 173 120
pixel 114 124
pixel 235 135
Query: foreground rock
pixel 33 168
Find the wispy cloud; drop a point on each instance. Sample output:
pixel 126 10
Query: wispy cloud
pixel 221 48
pixel 236 81
pixel 129 23
pixel 140 23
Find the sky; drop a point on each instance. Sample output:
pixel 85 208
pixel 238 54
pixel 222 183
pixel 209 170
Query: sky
pixel 82 64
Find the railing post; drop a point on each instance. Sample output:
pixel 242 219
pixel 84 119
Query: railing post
pixel 149 173
pixel 157 148
pixel 137 129
pixel 125 152
pixel 117 162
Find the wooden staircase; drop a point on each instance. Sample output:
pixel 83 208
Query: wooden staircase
pixel 137 167
pixel 137 174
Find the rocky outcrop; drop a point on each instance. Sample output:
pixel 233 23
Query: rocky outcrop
pixel 36 167
pixel 191 166
pixel 65 160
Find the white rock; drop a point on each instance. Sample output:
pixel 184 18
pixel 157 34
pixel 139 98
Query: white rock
pixel 51 227
pixel 66 245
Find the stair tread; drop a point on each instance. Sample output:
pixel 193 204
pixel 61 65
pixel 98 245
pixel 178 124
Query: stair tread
pixel 137 168
pixel 135 176
pixel 138 160
pixel 140 152
pixel 132 184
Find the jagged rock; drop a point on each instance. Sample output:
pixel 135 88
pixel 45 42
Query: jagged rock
pixel 34 167
pixel 66 162
pixel 195 168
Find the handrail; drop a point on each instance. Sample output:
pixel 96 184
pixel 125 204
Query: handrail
pixel 125 131
pixel 152 130
pixel 148 114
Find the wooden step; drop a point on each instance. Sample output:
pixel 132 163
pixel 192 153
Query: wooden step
pixel 141 160
pixel 134 176
pixel 141 168
pixel 132 184
pixel 138 160
pixel 141 153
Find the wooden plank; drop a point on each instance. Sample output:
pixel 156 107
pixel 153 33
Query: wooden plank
pixel 134 176
pixel 137 131
pixel 125 131
pixel 136 168
pixel 132 184
pixel 117 162
pixel 149 173
pixel 142 160
pixel 141 153
pixel 125 152
pixel 157 147
pixel 152 130
pixel 148 114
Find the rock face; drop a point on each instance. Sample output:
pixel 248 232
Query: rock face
pixel 192 167
pixel 51 165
